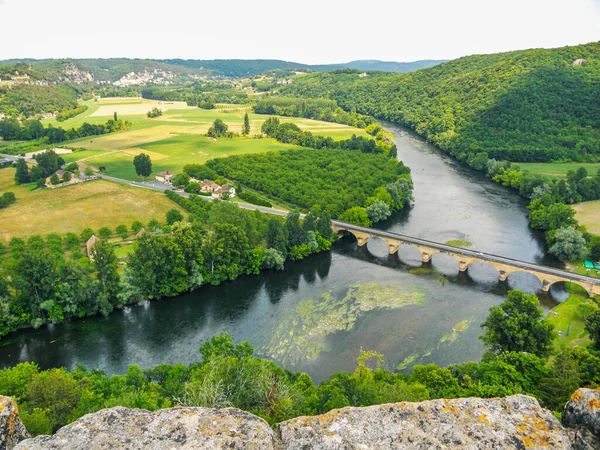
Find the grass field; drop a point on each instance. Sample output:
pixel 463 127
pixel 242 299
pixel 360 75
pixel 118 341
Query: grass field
pixel 570 322
pixel 588 214
pixel 73 208
pixel 557 170
pixel 176 138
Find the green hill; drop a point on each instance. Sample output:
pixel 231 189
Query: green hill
pixel 533 105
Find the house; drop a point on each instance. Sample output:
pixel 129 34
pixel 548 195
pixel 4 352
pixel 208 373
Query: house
pixel 59 173
pixel 224 192
pixel 90 246
pixel 208 186
pixel 164 177
pixel 362 75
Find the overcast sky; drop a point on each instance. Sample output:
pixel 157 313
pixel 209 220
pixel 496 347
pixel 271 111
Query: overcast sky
pixel 307 31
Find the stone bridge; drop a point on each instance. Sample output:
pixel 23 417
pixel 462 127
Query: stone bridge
pixel 505 266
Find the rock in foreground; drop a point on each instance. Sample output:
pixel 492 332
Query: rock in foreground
pixel 11 428
pixel 582 416
pixel 175 428
pixel 513 422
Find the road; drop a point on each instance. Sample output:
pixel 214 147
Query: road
pixel 154 185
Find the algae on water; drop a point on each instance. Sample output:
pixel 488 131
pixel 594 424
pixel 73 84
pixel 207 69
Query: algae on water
pixel 302 332
pixel 456 330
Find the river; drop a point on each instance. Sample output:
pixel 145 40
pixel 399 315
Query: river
pixel 317 314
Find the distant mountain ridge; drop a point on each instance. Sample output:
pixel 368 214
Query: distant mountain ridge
pixel 113 69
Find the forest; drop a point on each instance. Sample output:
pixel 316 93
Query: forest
pixel 520 360
pixel 528 106
pixel 29 99
pixel 47 278
pixel 333 180
pixel 318 109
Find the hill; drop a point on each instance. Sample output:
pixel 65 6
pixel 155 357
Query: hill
pixel 383 66
pixel 532 105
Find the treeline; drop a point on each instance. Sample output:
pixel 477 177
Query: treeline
pixel 13 129
pixel 203 95
pixel 530 105
pixel 28 99
pixel 65 115
pixel 48 280
pixel 520 361
pixel 318 109
pixel 549 208
pixel 335 180
pixel 290 133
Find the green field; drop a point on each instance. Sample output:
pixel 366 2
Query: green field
pixel 588 214
pixel 568 318
pixel 178 137
pixel 73 208
pixel 556 169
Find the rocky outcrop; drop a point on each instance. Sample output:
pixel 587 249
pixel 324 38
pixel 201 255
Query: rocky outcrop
pixel 11 428
pixel 582 416
pixel 516 422
pixel 175 428
pixel 470 423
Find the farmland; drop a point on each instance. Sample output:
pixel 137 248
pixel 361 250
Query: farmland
pixel 588 214
pixel 177 137
pixel 73 208
pixel 556 169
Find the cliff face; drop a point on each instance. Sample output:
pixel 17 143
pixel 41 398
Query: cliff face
pixel 11 428
pixel 516 422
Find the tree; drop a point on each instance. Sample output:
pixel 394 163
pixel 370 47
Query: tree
pixel 218 129
pixel 107 274
pixel 357 216
pixel 592 326
pixel 378 211
pixel 518 325
pixel 115 116
pixel 143 164
pixel 569 245
pixel 137 226
pixel 87 234
pixel 66 177
pixel 294 231
pixel 181 180
pixel 173 215
pixel 22 174
pixel 246 126
pixel 121 230
pixel 269 127
pixel 88 172
pixel 105 232
pixel 54 179
pixel 276 236
pixel 154 112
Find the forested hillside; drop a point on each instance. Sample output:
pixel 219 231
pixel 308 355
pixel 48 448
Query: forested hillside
pixel 533 105
pixel 29 99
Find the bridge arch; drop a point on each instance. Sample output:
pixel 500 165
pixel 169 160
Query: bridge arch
pixel 587 288
pixel 378 247
pixel 445 263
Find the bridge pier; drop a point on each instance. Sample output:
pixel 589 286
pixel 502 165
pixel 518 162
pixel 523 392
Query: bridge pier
pixel 502 275
pixel 393 248
pixel 546 285
pixel 426 257
pixel 361 241
pixel 463 265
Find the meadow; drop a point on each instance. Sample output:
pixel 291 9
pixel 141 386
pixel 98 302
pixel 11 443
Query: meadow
pixel 177 137
pixel 73 208
pixel 557 169
pixel 588 214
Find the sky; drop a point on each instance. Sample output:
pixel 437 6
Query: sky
pixel 307 31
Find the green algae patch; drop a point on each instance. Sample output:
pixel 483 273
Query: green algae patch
pixel 408 361
pixel 422 271
pixel 302 332
pixel 456 330
pixel 459 243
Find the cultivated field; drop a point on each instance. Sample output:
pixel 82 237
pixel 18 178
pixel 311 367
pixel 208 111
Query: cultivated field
pixel 73 208
pixel 178 137
pixel 588 214
pixel 559 170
